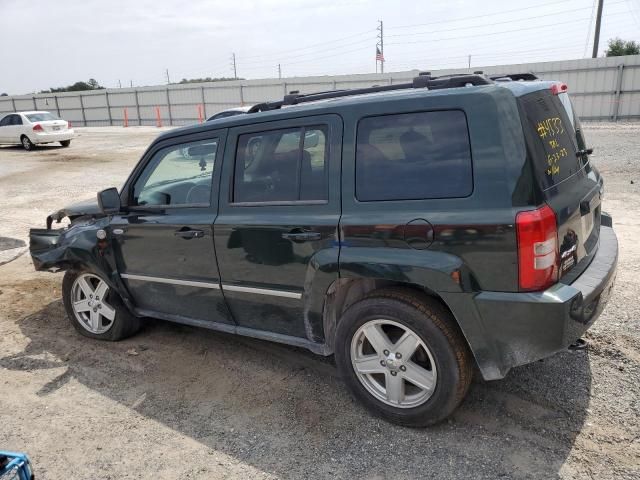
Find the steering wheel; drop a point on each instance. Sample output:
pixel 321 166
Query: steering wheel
pixel 199 194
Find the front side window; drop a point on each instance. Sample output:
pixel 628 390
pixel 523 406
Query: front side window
pixel 413 156
pixel 178 175
pixel 16 120
pixel 6 121
pixel 285 165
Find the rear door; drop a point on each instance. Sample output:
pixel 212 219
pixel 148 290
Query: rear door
pixel 4 128
pixel 278 219
pixel 570 186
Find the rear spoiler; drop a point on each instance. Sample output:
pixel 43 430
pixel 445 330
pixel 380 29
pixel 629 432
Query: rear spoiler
pixel 515 77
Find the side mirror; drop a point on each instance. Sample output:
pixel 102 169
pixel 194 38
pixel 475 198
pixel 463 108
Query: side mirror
pixel 109 200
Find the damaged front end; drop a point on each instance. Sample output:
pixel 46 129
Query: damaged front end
pixel 78 244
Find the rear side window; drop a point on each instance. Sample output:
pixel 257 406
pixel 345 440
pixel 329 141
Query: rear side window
pixel 413 156
pixel 551 136
pixel 286 165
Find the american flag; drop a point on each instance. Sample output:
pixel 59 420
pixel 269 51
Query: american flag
pixel 379 55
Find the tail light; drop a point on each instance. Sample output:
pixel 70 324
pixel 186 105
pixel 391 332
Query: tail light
pixel 537 235
pixel 38 128
pixel 557 88
pixel 69 125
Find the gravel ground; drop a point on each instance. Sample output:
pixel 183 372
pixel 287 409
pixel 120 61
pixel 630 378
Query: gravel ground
pixel 180 402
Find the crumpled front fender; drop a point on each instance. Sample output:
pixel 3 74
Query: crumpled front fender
pixel 65 248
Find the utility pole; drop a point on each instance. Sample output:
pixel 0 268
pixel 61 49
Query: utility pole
pixel 596 37
pixel 167 74
pixel 279 71
pixel 233 64
pixel 380 46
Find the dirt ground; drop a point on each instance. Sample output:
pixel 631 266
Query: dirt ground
pixel 181 402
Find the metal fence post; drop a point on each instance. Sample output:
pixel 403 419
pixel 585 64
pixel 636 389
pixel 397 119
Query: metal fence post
pixel 106 96
pixel 35 105
pixel 138 107
pixel 616 102
pixel 285 87
pixel 169 107
pixel 241 96
pixel 13 104
pixel 55 99
pixel 84 118
pixel 204 103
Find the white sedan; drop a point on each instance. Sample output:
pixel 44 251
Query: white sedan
pixel 32 128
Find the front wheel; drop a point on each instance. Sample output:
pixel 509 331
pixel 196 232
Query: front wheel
pixel 26 143
pixel 403 357
pixel 94 309
pixel 65 143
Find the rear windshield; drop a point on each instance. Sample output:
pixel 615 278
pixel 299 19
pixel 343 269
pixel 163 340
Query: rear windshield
pixel 41 117
pixel 551 137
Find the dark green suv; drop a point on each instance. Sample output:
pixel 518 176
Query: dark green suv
pixel 414 231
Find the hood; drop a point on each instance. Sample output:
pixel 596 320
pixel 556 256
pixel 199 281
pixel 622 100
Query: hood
pixel 80 209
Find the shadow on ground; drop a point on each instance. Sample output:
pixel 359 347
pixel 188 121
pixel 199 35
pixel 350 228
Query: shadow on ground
pixel 284 411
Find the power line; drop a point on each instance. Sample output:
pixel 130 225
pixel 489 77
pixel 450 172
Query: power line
pixel 573 21
pixel 495 23
pixel 312 46
pixel 267 62
pixel 478 16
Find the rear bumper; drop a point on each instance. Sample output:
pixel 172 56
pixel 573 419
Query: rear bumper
pixel 514 329
pixel 48 137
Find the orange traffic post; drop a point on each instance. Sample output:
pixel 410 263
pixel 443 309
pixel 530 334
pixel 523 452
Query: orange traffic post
pixel 126 118
pixel 158 119
pixel 200 113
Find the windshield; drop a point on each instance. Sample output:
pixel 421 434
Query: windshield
pixel 41 117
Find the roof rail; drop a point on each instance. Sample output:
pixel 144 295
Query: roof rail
pixel 515 76
pixel 423 80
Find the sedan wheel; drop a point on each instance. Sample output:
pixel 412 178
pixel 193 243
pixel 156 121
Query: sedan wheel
pixel 91 308
pixel 26 143
pixel 393 363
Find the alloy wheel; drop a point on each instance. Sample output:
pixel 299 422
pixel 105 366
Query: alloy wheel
pixel 393 363
pixel 89 295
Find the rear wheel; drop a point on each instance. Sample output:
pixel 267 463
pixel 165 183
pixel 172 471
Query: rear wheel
pixel 94 309
pixel 65 143
pixel 403 357
pixel 26 143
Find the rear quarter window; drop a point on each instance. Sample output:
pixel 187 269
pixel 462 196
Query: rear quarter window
pixel 413 156
pixel 551 138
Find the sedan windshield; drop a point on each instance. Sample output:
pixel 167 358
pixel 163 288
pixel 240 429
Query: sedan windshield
pixel 41 117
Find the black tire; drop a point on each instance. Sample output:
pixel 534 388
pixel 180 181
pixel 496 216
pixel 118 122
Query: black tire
pixel 65 143
pixel 436 328
pixel 26 143
pixel 124 323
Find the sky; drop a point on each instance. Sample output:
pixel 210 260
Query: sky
pixel 48 43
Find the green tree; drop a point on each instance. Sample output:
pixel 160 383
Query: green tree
pixel 91 84
pixel 618 47
pixel 4 94
pixel 208 79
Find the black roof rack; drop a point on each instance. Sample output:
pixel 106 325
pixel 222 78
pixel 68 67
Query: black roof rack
pixel 515 76
pixel 423 80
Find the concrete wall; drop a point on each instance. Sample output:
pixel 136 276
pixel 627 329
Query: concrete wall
pixel 602 89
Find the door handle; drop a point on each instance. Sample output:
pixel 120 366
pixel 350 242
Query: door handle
pixel 188 233
pixel 301 236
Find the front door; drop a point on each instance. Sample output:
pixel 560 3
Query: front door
pixel 277 226
pixel 166 253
